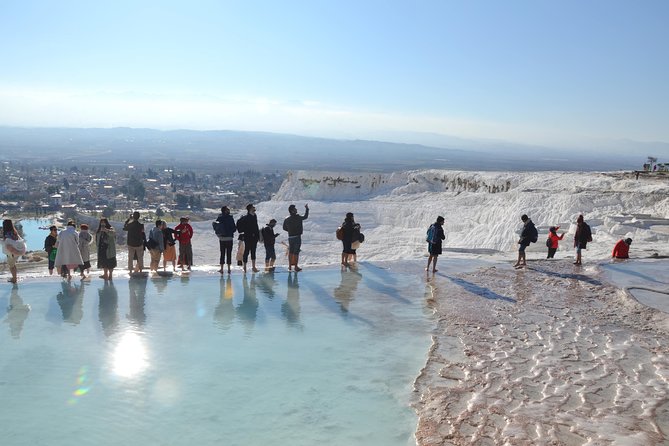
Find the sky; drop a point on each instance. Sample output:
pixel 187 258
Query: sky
pixel 567 73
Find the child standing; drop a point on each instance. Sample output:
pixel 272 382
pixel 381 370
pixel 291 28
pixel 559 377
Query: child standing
pixel 269 239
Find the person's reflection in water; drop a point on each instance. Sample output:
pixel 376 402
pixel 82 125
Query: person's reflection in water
pixel 348 285
pixel 108 308
pixel 291 307
pixel 224 313
pixel 71 300
pixel 17 312
pixel 137 292
pixel 266 283
pixel 248 309
pixel 160 283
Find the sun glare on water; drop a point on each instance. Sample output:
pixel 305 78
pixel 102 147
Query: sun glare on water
pixel 130 358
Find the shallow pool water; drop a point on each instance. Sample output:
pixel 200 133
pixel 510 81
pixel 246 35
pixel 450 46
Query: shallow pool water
pixel 33 235
pixel 322 357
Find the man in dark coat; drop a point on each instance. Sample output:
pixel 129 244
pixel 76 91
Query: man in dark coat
pixel 248 225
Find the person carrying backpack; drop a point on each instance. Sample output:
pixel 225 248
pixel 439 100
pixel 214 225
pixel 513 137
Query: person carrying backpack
pixel 527 236
pixel 268 238
pixel 225 228
pixel 581 238
pixel 435 234
pixel 553 241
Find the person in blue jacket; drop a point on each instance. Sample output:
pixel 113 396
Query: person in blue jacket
pixel 435 234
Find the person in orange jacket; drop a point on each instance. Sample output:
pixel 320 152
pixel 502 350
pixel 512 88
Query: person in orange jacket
pixel 553 240
pixel 622 249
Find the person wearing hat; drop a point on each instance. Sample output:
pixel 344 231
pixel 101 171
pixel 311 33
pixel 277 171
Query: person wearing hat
pixel 184 233
pixel 622 249
pixel 248 225
pixel 553 241
pixel 435 234
pixel 269 238
pixel 293 226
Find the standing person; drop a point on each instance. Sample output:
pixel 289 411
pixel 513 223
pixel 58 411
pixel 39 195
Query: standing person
pixel 105 239
pixel 225 228
pixel 156 245
pixel 85 240
pixel 293 226
pixel 170 252
pixel 581 238
pixel 136 237
pixel 527 236
pixel 622 249
pixel 248 225
pixel 68 256
pixel 351 233
pixel 50 247
pixel 553 241
pixel 269 239
pixel 435 235
pixel 184 234
pixel 13 246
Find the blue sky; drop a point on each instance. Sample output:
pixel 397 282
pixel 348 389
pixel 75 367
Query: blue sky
pixel 550 72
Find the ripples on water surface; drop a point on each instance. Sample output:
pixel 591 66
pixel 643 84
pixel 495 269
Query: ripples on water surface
pixel 318 358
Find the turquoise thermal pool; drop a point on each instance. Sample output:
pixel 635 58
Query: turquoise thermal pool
pixel 323 357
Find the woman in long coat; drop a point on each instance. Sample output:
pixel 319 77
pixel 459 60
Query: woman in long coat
pixel 68 256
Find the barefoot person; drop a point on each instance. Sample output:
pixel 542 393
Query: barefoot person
pixel 529 235
pixel 435 234
pixel 12 245
pixel 293 226
pixel 68 256
pixel 553 241
pixel 581 238
pixel 105 239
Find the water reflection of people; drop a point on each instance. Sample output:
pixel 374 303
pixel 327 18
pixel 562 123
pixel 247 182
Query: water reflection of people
pixel 290 309
pixel 137 292
pixel 108 308
pixel 266 283
pixel 71 300
pixel 248 309
pixel 345 292
pixel 17 313
pixel 224 313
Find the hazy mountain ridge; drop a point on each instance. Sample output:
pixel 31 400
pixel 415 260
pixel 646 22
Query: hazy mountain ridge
pixel 281 151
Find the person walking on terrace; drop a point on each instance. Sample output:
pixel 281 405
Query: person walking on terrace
pixel 527 236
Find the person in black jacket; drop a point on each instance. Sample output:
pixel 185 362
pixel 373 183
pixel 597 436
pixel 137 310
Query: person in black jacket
pixel 268 239
pixel 434 239
pixel 526 237
pixel 351 234
pixel 248 225
pixel 581 238
pixel 224 226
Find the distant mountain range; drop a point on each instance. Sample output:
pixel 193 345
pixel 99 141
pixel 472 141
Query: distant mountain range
pixel 272 151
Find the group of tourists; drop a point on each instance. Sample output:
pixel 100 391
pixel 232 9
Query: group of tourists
pixel 69 250
pixel 249 235
pixel 582 237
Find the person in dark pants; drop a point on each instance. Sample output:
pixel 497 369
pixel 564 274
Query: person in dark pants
pixel 248 225
pixel 225 228
pixel 526 237
pixel 434 239
pixel 553 241
pixel 581 238
pixel 269 239
pixel 50 247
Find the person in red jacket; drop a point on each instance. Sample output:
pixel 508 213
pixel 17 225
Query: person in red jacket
pixel 553 241
pixel 183 233
pixel 622 249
